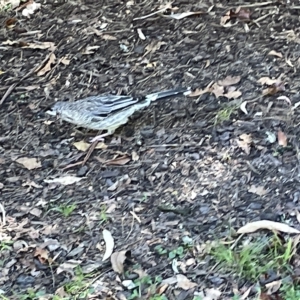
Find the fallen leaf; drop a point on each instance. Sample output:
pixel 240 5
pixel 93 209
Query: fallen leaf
pixel 35 212
pixel 65 180
pixel 210 294
pixel 217 90
pixel 141 34
pixel 232 94
pixel 47 66
pixel 30 9
pixel 282 138
pixel 184 283
pixel 135 156
pixel 285 98
pixel 275 53
pixel 268 81
pixel 117 261
pixel 273 287
pixel 9 23
pixel 84 146
pixel 243 107
pixel 258 190
pixel 275 88
pixel 41 254
pixel 229 80
pixel 109 244
pixel 29 163
pixel 244 142
pixel 68 266
pixel 120 161
pixel 65 61
pixel 266 224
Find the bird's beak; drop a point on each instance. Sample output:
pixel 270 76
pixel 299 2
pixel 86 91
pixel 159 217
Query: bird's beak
pixel 51 112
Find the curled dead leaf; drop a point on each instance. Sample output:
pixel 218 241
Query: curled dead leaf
pixel 266 224
pixel 275 53
pixel 117 260
pixel 109 244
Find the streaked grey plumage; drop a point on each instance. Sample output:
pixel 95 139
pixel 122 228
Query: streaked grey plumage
pixel 106 112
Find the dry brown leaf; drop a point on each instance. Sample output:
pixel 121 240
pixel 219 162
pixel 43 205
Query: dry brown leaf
pixel 275 88
pixel 41 254
pixel 229 80
pixel 258 190
pixel 109 244
pixel 266 224
pixel 84 146
pixel 47 67
pixel 135 156
pixel 244 142
pixel 29 163
pixel 217 90
pixel 117 261
pixel 268 81
pixel 275 53
pixel 120 161
pixel 233 94
pixel 64 60
pixel 184 283
pixel 9 23
pixel 282 138
pixel 198 92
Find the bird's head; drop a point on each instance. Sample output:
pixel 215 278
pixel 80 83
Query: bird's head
pixel 56 109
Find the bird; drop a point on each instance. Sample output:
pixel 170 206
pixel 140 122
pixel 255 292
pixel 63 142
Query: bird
pixel 107 111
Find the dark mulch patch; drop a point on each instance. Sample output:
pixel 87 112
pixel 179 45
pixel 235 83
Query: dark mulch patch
pixel 188 178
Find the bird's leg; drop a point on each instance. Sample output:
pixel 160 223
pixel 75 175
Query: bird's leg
pixel 100 138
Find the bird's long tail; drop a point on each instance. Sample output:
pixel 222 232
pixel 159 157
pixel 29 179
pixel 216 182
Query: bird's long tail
pixel 169 93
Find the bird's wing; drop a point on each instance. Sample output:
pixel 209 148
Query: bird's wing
pixel 103 105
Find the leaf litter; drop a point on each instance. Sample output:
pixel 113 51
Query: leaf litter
pixel 181 157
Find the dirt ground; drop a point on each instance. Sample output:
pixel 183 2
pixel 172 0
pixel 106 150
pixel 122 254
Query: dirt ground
pixel 194 168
